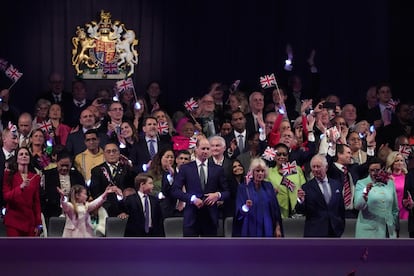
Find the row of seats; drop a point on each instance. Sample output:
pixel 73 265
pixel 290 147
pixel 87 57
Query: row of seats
pixel 173 227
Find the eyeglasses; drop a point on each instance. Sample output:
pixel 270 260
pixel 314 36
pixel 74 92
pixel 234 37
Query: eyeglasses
pixel 281 154
pixel 109 151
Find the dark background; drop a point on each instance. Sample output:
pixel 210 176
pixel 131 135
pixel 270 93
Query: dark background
pixel 188 44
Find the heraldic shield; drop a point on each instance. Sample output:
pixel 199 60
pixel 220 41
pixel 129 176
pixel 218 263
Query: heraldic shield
pixel 104 50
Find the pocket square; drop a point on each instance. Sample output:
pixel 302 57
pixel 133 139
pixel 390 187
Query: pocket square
pixel 337 191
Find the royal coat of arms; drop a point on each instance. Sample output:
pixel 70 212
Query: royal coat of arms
pixel 104 50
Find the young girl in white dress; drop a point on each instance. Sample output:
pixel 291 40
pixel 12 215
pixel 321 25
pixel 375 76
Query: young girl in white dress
pixel 78 221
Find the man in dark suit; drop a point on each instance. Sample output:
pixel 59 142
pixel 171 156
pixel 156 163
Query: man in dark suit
pixel 148 145
pixel 256 103
pixel 143 222
pixel 75 143
pixel 341 169
pixel 111 172
pixel 63 176
pixel 236 141
pixel 204 184
pixel 10 143
pixel 77 105
pixel 320 199
pixel 56 93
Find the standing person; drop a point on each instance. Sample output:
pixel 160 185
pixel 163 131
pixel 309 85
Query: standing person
pixel 321 201
pixel 78 221
pixel 376 199
pixel 60 130
pixel 10 143
pixel 257 209
pixel 64 177
pixel 174 207
pixel 204 184
pixel 146 148
pixel 25 128
pixel 396 166
pixel 21 193
pixel 286 183
pixel 113 172
pixel 78 104
pixel 408 202
pixel 256 103
pixel 91 157
pixel 56 93
pixel 143 209
pixel 75 143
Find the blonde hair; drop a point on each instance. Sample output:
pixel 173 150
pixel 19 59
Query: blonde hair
pixel 258 162
pixel 391 160
pixel 74 191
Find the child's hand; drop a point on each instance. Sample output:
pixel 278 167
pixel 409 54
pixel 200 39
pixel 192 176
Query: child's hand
pixel 60 191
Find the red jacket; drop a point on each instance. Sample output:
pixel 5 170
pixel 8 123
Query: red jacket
pixel 22 206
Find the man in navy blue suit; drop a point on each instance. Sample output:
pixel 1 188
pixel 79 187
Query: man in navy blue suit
pixel 204 184
pixel 321 200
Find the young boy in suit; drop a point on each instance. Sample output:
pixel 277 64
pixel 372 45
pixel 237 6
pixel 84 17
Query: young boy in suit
pixel 143 209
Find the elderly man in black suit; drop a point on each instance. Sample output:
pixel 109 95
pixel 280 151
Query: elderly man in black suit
pixel 63 176
pixel 320 199
pixel 113 171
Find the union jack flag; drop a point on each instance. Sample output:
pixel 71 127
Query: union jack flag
pixel 13 73
pixel 3 64
pixel 12 128
pixel 234 86
pixel 289 168
pixel 110 68
pixel 288 183
pixel 162 128
pixel 268 81
pixel 191 105
pixel 45 126
pixel 334 133
pixel 405 151
pixel 391 105
pixel 269 154
pixel 106 174
pixel 382 176
pixel 192 143
pixel 123 85
pixel 248 177
pixel 44 160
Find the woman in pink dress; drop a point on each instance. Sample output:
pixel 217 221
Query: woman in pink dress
pixel 397 167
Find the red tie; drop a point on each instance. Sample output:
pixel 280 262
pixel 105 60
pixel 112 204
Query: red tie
pixel 347 188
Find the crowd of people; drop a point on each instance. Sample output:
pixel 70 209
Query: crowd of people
pixel 258 156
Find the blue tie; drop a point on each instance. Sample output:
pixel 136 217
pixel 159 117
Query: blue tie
pixel 146 211
pixel 151 148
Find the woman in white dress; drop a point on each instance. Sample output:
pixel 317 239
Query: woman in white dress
pixel 78 221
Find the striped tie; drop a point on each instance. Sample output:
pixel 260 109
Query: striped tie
pixel 347 188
